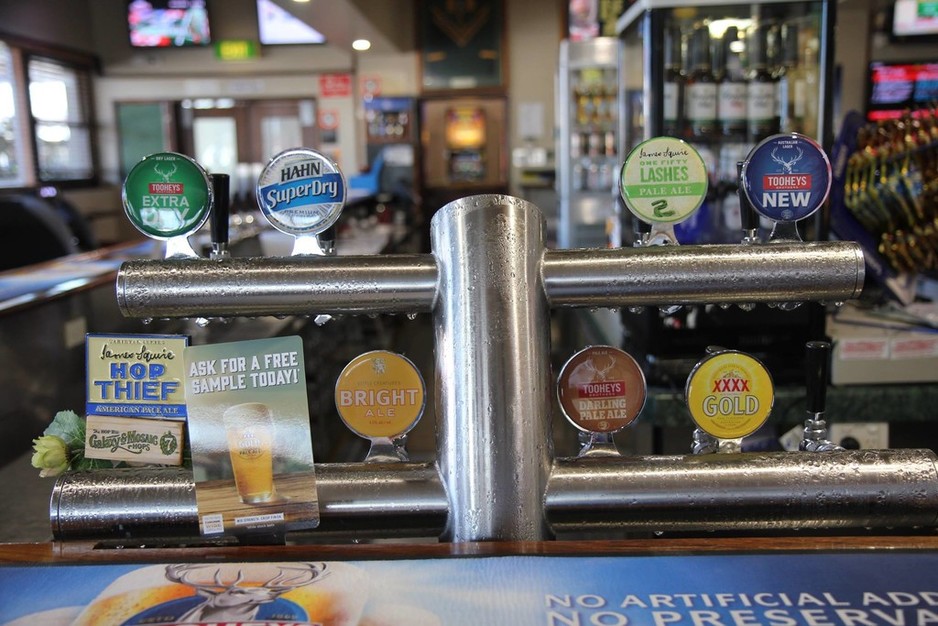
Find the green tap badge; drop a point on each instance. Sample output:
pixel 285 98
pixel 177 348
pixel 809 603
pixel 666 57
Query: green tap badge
pixel 664 180
pixel 167 195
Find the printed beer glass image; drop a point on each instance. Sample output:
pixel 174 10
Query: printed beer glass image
pixel 250 433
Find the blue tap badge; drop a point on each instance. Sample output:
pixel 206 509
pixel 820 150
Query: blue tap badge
pixel 787 177
pixel 301 192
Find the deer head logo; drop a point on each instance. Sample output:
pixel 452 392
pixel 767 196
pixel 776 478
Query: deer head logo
pixel 600 374
pixel 165 175
pixel 786 165
pixel 226 600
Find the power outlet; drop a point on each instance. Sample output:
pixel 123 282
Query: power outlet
pixel 866 435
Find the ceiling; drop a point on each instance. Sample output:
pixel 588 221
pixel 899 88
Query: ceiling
pixel 388 24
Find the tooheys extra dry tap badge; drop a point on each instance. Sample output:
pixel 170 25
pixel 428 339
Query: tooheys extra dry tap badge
pixel 729 395
pixel 301 192
pixel 787 177
pixel 167 195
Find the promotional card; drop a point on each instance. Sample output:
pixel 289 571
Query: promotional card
pixel 252 453
pixel 135 404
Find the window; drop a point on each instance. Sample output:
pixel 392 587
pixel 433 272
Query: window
pixel 58 96
pixel 11 144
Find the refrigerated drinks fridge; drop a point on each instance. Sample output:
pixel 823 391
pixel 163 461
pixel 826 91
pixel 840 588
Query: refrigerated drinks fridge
pixel 588 135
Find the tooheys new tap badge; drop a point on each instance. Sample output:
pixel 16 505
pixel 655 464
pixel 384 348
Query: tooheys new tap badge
pixel 787 177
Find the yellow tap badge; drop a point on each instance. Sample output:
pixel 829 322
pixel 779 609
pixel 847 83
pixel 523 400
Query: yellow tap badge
pixel 380 394
pixel 729 395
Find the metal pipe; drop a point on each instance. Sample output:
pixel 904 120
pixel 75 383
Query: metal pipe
pixel 877 488
pixel 300 285
pixel 492 368
pixel 380 500
pixel 826 271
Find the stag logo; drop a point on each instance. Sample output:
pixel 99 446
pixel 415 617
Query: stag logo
pixel 165 175
pixel 600 374
pixel 786 165
pixel 226 599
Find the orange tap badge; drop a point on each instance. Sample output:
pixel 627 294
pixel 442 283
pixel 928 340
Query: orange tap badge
pixel 380 394
pixel 601 389
pixel 729 395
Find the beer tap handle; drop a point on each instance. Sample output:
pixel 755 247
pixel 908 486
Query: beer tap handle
pixel 818 368
pixel 642 231
pixel 747 214
pixel 220 211
pixel 817 365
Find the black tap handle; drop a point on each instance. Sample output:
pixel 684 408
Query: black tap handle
pixel 747 214
pixel 817 366
pixel 222 206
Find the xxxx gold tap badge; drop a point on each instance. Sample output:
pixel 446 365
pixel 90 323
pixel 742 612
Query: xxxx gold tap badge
pixel 729 395
pixel 601 389
pixel 380 394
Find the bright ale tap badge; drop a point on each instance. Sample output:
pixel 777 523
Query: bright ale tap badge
pixel 167 195
pixel 787 177
pixel 729 395
pixel 601 389
pixel 301 192
pixel 664 180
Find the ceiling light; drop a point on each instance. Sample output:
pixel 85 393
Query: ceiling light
pixel 361 44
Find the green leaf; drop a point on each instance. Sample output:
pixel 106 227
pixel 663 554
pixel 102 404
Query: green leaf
pixel 69 427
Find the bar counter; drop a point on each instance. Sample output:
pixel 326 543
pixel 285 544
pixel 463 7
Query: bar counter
pixel 717 581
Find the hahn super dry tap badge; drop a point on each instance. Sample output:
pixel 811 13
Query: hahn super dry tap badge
pixel 301 192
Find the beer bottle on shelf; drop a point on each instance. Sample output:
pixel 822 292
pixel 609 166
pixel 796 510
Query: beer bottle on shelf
pixel 763 87
pixel 701 90
pixel 673 83
pixel 732 91
pixel 790 105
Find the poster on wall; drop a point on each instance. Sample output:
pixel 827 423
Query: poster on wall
pixel 461 43
pixel 588 19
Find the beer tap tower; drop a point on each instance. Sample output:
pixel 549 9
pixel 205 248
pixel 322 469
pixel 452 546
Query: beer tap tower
pixel 490 283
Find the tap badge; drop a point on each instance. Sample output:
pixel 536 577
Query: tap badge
pixel 380 394
pixel 729 395
pixel 663 180
pixel 167 195
pixel 601 389
pixel 787 177
pixel 301 192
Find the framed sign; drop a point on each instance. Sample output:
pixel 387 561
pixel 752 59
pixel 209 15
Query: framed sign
pixel 462 43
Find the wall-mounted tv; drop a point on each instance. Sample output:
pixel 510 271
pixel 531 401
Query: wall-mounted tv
pixel 914 20
pixel 276 25
pixel 168 23
pixel 897 88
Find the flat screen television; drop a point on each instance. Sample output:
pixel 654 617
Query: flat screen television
pixel 168 23
pixel 914 20
pixel 896 88
pixel 276 25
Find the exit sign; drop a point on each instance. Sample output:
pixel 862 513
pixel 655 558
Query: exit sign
pixel 235 49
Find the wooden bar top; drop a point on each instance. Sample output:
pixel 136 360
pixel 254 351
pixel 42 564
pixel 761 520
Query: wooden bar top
pixel 77 552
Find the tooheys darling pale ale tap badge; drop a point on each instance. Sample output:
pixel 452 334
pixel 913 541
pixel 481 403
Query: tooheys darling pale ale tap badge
pixel 601 389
